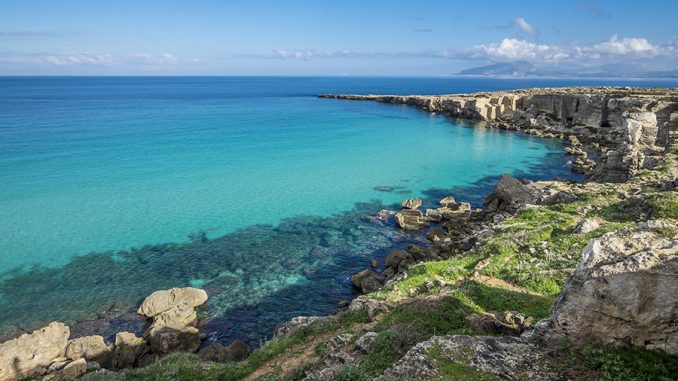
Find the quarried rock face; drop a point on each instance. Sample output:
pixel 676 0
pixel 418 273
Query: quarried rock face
pixel 624 291
pixel 30 354
pixel 503 358
pixel 174 318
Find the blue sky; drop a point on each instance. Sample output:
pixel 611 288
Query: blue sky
pixel 331 37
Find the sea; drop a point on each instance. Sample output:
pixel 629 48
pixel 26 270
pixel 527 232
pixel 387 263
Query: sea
pixel 252 188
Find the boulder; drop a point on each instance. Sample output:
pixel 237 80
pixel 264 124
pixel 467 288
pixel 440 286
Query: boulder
pixel 174 318
pixel 410 219
pixel 128 349
pixel 509 194
pixel 586 226
pixel 412 203
pixel 165 340
pixel 367 281
pixel 399 260
pixel 164 300
pixel 72 371
pixel 90 348
pixel 237 351
pixel 366 342
pixel 447 201
pixel 30 354
pixel 624 290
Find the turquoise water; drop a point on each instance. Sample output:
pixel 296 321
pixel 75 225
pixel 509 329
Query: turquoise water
pixel 250 187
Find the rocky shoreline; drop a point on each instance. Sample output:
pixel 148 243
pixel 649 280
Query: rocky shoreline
pixel 491 271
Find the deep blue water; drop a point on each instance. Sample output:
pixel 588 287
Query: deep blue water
pixel 252 188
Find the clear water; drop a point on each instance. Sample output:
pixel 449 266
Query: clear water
pixel 252 188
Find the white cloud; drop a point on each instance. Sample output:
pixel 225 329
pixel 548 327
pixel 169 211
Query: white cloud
pixel 150 59
pixel 626 46
pixel 525 27
pixel 70 59
pixel 513 49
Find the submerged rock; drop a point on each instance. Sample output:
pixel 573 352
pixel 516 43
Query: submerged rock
pixel 412 203
pixel 624 290
pixel 30 354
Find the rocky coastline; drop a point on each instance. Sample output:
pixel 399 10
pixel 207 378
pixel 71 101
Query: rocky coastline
pixel 544 272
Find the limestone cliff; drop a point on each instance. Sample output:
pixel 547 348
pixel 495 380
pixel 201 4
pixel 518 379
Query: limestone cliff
pixel 628 127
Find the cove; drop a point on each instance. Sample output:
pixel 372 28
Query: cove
pixel 255 190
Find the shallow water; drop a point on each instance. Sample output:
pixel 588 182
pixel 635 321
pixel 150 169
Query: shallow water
pixel 252 188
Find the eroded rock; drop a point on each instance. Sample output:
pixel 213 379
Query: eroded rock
pixel 624 290
pixel 31 354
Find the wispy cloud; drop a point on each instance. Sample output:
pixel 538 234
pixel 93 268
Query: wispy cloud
pixel 512 49
pixel 423 30
pixel 25 34
pixel 522 26
pixel 593 8
pixel 150 59
pixel 91 59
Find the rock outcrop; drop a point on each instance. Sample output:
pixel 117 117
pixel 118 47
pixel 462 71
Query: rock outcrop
pixel 624 291
pixel 31 354
pixel 627 125
pixel 504 358
pixel 174 318
pixel 510 194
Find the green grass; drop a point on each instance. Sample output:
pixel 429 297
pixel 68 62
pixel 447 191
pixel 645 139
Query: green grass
pixel 190 367
pixel 665 205
pixel 456 369
pixel 631 364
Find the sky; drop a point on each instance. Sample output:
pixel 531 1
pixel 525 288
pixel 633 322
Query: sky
pixel 408 38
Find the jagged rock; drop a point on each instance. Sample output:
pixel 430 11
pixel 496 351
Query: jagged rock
pixel 624 290
pixel 174 317
pixel 560 197
pixel 434 215
pixel 370 306
pixel 504 358
pixel 30 354
pixel 489 324
pixel 410 219
pixel 412 203
pixel 366 342
pixel 301 321
pixel 72 371
pixel 128 349
pixel 447 201
pixel 586 226
pixel 399 260
pixel 91 348
pixel 509 194
pixel 236 351
pixel 367 281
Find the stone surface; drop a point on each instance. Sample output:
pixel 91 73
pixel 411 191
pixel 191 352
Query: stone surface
pixel 164 300
pixel 412 203
pixel 298 322
pixel 410 219
pixel 504 358
pixel 91 348
pixel 586 226
pixel 30 354
pixel 236 351
pixel 624 290
pixel 174 317
pixel 128 349
pixel 367 281
pixel 72 371
pixel 509 194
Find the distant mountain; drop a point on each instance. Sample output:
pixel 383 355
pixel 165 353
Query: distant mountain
pixel 517 69
pixel 524 68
